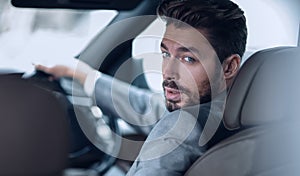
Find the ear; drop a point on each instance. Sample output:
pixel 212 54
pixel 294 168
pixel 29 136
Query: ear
pixel 231 66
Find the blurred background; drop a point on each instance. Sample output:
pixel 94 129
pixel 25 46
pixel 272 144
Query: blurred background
pixel 49 36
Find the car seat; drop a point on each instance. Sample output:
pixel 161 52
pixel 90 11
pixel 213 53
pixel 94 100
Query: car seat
pixel 33 130
pixel 263 106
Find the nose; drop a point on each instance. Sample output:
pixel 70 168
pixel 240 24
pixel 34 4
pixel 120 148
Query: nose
pixel 170 69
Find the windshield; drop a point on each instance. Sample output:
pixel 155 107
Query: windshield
pixel 48 36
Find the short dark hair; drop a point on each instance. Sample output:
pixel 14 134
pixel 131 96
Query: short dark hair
pixel 223 21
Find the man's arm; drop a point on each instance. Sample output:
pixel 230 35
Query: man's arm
pixel 139 107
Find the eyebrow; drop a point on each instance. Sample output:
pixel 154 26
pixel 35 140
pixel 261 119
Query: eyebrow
pixel 182 49
pixel 162 45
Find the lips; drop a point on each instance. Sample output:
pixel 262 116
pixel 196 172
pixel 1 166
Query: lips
pixel 172 94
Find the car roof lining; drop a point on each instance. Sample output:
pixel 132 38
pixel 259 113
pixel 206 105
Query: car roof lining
pixel 78 4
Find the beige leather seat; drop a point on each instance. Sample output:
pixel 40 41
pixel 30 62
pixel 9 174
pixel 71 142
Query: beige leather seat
pixel 264 106
pixel 33 130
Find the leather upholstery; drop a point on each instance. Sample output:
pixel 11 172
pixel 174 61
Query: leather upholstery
pixel 266 89
pixel 33 130
pixel 257 151
pixel 263 105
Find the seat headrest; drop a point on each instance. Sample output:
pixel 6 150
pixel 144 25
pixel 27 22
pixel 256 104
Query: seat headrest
pixel 266 89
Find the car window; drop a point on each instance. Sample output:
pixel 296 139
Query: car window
pixel 47 36
pixel 270 23
pixel 147 47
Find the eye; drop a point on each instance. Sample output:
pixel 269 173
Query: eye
pixel 165 54
pixel 188 59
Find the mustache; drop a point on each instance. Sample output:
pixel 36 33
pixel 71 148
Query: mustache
pixel 173 85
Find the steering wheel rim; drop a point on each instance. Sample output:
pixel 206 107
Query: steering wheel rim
pixel 81 147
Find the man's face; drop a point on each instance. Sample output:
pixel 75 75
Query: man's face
pixel 189 63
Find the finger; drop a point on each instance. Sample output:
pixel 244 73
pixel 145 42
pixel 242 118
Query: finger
pixel 39 67
pixel 42 68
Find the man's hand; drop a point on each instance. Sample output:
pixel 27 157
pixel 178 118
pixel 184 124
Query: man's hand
pixel 58 71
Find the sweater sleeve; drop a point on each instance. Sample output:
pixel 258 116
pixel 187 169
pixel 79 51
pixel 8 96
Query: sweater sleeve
pixel 139 107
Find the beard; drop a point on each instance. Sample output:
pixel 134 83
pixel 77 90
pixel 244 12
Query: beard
pixel 192 98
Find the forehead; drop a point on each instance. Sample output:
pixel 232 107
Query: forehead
pixel 186 37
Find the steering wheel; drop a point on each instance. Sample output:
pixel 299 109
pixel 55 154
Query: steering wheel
pixel 83 153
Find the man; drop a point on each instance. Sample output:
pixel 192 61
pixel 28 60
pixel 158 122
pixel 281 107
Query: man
pixel 201 49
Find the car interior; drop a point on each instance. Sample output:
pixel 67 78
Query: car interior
pixel 34 130
pixel 262 105
pixel 44 136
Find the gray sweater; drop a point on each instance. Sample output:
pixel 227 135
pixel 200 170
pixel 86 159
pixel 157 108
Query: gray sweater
pixel 176 139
